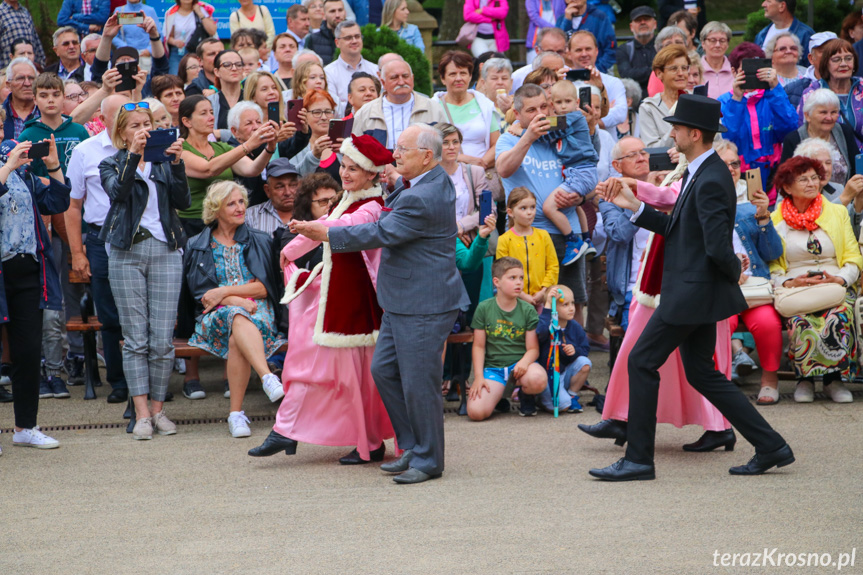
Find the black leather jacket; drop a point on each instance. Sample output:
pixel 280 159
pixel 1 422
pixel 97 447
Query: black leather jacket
pixel 128 192
pixel 199 265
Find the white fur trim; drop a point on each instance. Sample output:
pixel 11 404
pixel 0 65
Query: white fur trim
pixel 291 291
pixel 638 295
pixel 320 337
pixel 348 149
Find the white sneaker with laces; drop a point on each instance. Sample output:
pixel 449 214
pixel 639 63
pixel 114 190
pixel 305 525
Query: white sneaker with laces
pixel 238 424
pixel 34 438
pixel 838 392
pixel 162 425
pixel 273 387
pixel 805 392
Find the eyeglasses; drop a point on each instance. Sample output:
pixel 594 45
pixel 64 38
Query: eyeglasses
pixel 841 59
pixel 787 49
pixel 323 202
pixel 676 69
pixel 192 68
pixel 451 144
pixel 811 179
pixel 68 43
pixel 733 165
pixel 351 38
pixel 132 105
pixel 23 79
pixel 319 113
pixel 229 65
pixel 720 41
pixel 402 149
pixel 642 153
pixel 90 51
pixel 80 96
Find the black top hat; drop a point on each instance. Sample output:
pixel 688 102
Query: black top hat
pixel 698 112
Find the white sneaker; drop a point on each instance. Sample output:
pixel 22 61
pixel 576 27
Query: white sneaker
pixel 838 392
pixel 34 438
pixel 163 425
pixel 143 428
pixel 805 392
pixel 238 424
pixel 273 387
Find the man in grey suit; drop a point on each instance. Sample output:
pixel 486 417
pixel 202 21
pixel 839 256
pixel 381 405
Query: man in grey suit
pixel 420 291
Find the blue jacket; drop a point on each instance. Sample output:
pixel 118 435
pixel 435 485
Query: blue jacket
pixel 361 11
pixel 797 28
pixel 618 250
pixel 596 22
pixel 762 243
pixel 133 35
pixel 47 200
pixel 70 15
pixel 794 90
pixel 776 118
pixel 572 334
pixel 9 123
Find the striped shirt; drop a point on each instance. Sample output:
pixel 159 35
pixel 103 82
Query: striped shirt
pixel 397 118
pixel 17 23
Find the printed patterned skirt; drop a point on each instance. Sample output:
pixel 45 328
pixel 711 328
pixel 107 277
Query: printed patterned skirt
pixel 824 342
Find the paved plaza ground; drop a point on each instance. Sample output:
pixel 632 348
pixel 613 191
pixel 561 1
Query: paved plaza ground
pixel 515 498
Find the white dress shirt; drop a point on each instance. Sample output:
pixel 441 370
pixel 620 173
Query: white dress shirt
pixel 151 220
pixel 339 74
pixel 83 174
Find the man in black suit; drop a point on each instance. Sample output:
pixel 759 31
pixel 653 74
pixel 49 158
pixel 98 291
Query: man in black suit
pixel 699 287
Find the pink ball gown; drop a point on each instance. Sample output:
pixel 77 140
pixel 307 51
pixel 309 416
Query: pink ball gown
pixel 679 404
pixel 330 396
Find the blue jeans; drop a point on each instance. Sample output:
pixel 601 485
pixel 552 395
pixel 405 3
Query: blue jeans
pixel 106 309
pixel 174 58
pixel 564 399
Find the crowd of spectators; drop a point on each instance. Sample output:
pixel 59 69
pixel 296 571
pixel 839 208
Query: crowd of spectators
pixel 271 129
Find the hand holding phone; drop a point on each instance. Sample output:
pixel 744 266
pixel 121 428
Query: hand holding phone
pixel 486 205
pixel 753 183
pixel 127 76
pixel 294 107
pixel 273 113
pixel 38 150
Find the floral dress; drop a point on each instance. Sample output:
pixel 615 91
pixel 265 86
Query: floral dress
pixel 214 329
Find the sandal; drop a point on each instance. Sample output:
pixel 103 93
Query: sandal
pixel 768 396
pixel 445 387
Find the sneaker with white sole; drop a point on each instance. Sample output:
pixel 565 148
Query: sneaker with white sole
pixel 238 424
pixel 45 389
pixel 805 392
pixel 34 438
pixel 838 392
pixel 58 387
pixel 163 425
pixel 273 387
pixel 143 429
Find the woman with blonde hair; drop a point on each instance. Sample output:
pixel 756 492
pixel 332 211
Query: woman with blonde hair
pixel 307 76
pixel 144 264
pixel 395 16
pixel 229 274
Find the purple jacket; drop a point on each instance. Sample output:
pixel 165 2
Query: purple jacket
pixel 534 8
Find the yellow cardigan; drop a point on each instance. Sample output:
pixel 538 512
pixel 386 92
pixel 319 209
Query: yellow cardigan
pixel 536 253
pixel 836 224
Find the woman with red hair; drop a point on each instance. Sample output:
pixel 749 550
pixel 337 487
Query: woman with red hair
pixel 320 154
pixel 819 249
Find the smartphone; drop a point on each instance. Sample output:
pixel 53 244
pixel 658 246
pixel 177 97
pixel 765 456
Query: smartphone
pixel 130 18
pixel 700 90
pixel 273 113
pixel 658 160
pixel 157 143
pixel 814 273
pixel 584 97
pixel 557 123
pixel 340 129
pixel 753 182
pixel 858 163
pixel 127 71
pixel 38 150
pixel 486 205
pixel 750 68
pixel 294 107
pixel 578 75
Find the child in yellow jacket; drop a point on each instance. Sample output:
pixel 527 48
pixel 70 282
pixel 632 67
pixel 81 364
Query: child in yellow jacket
pixel 531 246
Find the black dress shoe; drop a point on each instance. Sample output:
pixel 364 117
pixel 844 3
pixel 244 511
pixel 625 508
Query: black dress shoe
pixel 607 429
pixel 399 465
pixel 353 458
pixel 273 444
pixel 761 462
pixel 414 476
pixel 118 396
pixel 713 439
pixel 623 470
pixel 5 395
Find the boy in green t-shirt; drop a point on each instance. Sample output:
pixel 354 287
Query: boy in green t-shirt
pixel 505 345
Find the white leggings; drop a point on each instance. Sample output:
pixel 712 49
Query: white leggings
pixel 480 46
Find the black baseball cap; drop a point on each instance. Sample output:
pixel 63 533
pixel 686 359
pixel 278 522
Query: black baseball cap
pixel 281 167
pixel 642 11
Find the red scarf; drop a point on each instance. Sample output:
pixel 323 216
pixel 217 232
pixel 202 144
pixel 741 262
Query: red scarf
pixel 805 220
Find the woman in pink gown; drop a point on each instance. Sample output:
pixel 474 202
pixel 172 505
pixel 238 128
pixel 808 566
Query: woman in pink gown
pixel 330 396
pixel 679 404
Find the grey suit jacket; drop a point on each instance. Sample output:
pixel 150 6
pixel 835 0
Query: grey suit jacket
pixel 417 231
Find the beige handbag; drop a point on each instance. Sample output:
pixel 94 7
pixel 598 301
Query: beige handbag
pixel 790 302
pixel 757 291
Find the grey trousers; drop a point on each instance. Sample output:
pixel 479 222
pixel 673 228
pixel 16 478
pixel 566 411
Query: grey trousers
pixel 145 281
pixel 407 369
